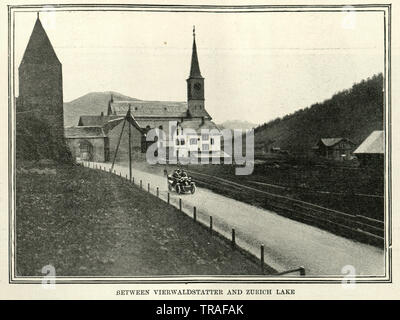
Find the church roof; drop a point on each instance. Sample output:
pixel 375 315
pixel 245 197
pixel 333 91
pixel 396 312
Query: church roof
pixel 39 49
pixel 107 123
pixel 157 109
pixel 198 125
pixel 95 120
pixel 199 113
pixel 194 67
pixel 151 108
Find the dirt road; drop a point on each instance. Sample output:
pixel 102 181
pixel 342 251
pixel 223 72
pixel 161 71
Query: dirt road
pixel 288 244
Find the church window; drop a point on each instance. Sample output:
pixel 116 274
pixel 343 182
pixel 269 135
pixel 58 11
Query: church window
pixel 205 136
pixel 182 142
pixel 205 147
pixel 212 141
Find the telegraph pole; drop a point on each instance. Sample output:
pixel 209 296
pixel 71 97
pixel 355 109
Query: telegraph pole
pixel 128 117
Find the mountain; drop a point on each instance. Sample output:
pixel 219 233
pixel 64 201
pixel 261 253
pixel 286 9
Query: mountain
pixel 90 104
pixel 236 124
pixel 353 113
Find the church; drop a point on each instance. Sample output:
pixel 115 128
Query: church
pixel 94 137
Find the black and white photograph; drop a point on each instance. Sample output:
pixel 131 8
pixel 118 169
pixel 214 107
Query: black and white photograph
pixel 199 144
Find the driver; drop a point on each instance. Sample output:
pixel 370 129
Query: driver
pixel 176 175
pixel 184 174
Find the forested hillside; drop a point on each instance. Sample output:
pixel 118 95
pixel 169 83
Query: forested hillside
pixel 352 114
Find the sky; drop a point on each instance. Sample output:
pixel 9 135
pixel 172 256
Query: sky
pixel 257 66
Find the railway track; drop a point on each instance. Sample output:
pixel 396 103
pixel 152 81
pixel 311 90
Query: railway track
pixel 355 227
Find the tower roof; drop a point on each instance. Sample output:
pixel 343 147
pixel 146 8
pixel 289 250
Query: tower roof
pixel 39 49
pixel 194 67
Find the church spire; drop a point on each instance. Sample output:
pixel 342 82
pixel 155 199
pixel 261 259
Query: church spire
pixel 194 67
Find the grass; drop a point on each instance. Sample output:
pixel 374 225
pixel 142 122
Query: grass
pixel 86 222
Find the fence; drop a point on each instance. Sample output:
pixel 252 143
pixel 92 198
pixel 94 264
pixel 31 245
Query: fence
pixel 195 213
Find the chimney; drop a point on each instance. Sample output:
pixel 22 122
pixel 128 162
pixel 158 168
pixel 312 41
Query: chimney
pixel 102 114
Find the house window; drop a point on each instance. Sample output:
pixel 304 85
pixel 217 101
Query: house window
pixel 204 136
pixel 182 142
pixel 212 141
pixel 205 147
pixel 160 127
pixel 177 142
pixel 193 141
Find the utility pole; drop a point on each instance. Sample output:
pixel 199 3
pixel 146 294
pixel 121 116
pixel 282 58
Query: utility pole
pixel 128 117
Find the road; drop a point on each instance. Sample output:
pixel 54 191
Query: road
pixel 288 244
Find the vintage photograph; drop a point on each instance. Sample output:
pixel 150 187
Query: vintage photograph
pixel 204 142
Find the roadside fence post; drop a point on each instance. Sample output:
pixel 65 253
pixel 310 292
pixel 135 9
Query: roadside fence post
pixel 262 258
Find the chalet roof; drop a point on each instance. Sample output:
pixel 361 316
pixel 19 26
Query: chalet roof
pixel 329 142
pixel 374 143
pixel 84 132
pixel 39 49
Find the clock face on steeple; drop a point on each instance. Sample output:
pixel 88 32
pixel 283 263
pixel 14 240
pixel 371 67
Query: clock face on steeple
pixel 197 86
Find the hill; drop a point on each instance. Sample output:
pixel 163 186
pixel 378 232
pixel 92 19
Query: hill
pixel 90 104
pixel 352 114
pixel 237 124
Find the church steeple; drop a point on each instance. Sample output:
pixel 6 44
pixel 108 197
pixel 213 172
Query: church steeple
pixel 194 67
pixel 195 84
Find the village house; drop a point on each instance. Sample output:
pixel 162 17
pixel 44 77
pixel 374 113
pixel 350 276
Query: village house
pixel 92 142
pixel 370 152
pixel 148 115
pixel 334 148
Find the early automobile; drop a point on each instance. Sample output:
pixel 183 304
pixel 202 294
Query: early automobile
pixel 181 184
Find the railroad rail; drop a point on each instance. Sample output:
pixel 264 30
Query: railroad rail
pixel 355 227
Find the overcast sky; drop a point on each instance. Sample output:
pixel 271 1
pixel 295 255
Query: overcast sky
pixel 257 66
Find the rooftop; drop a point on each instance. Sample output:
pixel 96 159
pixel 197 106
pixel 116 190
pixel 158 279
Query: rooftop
pixel 373 144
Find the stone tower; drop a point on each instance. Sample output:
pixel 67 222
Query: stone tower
pixel 40 81
pixel 195 83
pixel 39 106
